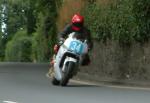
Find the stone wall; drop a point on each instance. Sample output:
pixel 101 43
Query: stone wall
pixel 112 61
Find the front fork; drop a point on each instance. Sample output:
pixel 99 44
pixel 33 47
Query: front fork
pixel 59 71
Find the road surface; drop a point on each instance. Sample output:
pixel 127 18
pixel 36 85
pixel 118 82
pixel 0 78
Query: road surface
pixel 27 83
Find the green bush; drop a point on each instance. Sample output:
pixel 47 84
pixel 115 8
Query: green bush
pixel 45 36
pixel 141 11
pixel 38 48
pixel 42 48
pixel 43 39
pixel 19 48
pixel 121 20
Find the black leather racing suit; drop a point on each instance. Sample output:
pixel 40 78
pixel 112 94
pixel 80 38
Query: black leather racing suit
pixel 83 34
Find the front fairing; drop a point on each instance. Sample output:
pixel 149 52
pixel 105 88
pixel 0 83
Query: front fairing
pixel 76 46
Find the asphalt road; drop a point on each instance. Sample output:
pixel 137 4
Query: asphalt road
pixel 27 83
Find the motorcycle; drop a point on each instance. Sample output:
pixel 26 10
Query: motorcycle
pixel 68 59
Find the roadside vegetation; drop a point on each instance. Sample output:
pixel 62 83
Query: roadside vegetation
pixel 29 28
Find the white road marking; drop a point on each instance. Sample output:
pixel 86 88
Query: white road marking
pixel 9 102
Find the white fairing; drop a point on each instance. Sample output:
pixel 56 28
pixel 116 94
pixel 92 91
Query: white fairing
pixel 73 46
pixel 71 39
pixel 68 59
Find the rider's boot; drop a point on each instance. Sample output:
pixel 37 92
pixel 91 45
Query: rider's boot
pixel 51 69
pixel 86 60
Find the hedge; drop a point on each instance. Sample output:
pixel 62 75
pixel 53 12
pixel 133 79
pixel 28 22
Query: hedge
pixel 19 48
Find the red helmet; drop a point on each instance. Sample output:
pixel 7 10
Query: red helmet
pixel 77 21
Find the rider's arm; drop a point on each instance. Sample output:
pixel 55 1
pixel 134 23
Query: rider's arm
pixel 65 32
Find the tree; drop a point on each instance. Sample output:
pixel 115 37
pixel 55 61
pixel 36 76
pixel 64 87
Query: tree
pixel 141 10
pixel 46 29
pixel 2 29
pixel 36 17
pixel 19 48
pixel 16 15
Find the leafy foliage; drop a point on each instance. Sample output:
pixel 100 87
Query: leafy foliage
pixel 19 48
pixel 141 12
pixel 45 36
pixel 36 17
pixel 122 20
pixel 15 16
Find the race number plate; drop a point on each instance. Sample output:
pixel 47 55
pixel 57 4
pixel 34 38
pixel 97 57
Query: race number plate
pixel 76 47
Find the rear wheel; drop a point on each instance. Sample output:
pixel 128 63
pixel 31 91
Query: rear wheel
pixel 67 74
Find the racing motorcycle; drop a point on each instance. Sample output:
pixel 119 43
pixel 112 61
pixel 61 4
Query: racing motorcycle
pixel 68 59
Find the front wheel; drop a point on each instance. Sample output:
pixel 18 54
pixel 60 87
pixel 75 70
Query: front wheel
pixel 55 81
pixel 68 73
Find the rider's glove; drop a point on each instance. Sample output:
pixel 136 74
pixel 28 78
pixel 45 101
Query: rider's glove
pixel 61 41
pixel 56 48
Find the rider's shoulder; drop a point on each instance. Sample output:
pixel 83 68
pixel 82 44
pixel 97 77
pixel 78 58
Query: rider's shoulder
pixel 68 26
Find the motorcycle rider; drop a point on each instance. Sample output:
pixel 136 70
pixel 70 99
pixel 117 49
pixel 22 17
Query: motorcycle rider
pixel 76 25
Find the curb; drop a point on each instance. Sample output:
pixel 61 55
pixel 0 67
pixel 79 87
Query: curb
pixel 97 80
pixel 84 78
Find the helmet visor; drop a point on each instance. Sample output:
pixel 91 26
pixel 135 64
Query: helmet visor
pixel 77 26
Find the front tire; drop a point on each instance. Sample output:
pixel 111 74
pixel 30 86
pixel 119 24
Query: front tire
pixel 55 81
pixel 67 74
